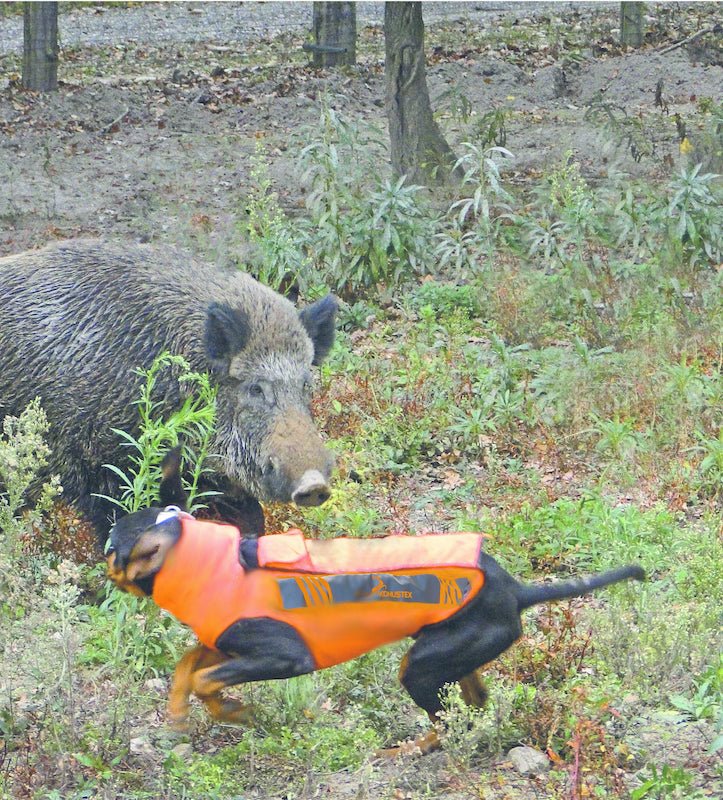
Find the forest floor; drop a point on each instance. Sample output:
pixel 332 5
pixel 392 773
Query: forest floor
pixel 161 107
pixel 160 111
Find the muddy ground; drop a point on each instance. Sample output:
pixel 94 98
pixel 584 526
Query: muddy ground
pixel 161 107
pixel 141 141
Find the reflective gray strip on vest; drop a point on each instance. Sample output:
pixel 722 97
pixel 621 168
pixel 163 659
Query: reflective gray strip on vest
pixel 314 590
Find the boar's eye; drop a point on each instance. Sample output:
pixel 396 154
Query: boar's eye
pixel 261 392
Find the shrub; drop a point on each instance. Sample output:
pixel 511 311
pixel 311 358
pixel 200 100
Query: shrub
pixel 23 453
pixel 363 232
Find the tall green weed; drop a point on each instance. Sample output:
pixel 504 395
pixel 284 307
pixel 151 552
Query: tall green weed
pixel 191 425
pixel 365 230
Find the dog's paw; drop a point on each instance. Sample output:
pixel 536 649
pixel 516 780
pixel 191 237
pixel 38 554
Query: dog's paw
pixel 414 747
pixel 474 692
pixel 230 711
pixel 179 723
pixel 237 713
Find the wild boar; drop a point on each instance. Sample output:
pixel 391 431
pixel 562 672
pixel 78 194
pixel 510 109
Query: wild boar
pixel 77 318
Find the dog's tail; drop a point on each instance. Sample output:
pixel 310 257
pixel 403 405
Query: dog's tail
pixel 543 592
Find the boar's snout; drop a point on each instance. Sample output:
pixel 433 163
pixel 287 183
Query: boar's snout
pixel 312 489
pixel 297 466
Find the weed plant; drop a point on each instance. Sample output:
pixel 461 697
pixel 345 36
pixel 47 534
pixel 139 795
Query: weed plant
pixel 23 453
pixel 191 425
pixel 466 241
pixel 280 243
pixel 361 233
pixel 37 650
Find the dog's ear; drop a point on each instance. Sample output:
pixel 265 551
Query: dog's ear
pixel 150 551
pixel 171 491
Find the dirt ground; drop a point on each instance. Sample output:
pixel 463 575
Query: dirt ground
pixel 140 140
pixel 160 110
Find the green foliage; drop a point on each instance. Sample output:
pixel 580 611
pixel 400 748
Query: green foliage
pixel 694 210
pixel 493 728
pixel 191 425
pixel 562 218
pixel 126 635
pixel 366 684
pixel 708 142
pixel 455 104
pixel 446 299
pixel 328 744
pixel 616 437
pixel 632 132
pixel 364 230
pixel 706 702
pixel 23 453
pixel 338 744
pixel 592 535
pixel 491 127
pixel 670 783
pixel 468 237
pixel 279 241
pixel 711 465
pixel 216 777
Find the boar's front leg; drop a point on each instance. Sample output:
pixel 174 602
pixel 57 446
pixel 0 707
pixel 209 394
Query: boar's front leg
pixel 237 508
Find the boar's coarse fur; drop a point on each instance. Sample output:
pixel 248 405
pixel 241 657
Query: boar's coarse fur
pixel 76 320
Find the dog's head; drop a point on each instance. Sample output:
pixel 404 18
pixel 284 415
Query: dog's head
pixel 140 542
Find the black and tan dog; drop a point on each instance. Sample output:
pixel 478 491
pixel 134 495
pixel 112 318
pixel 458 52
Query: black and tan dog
pixel 282 605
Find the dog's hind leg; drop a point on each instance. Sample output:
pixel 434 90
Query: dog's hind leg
pixel 453 651
pixel 474 691
pixel 422 745
pixel 448 654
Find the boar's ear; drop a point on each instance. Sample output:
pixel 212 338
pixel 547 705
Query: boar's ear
pixel 318 319
pixel 227 332
pixel 289 287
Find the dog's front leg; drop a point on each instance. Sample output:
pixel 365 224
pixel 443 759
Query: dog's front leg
pixel 209 680
pixel 198 657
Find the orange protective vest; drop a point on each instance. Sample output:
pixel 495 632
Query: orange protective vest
pixel 344 597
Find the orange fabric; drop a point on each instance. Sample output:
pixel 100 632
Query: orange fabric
pixel 333 556
pixel 204 586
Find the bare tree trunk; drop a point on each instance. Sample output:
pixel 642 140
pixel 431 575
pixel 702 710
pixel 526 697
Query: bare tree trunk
pixel 40 47
pixel 631 23
pixel 334 34
pixel 418 149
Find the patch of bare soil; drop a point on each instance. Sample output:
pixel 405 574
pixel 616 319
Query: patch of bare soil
pixel 153 140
